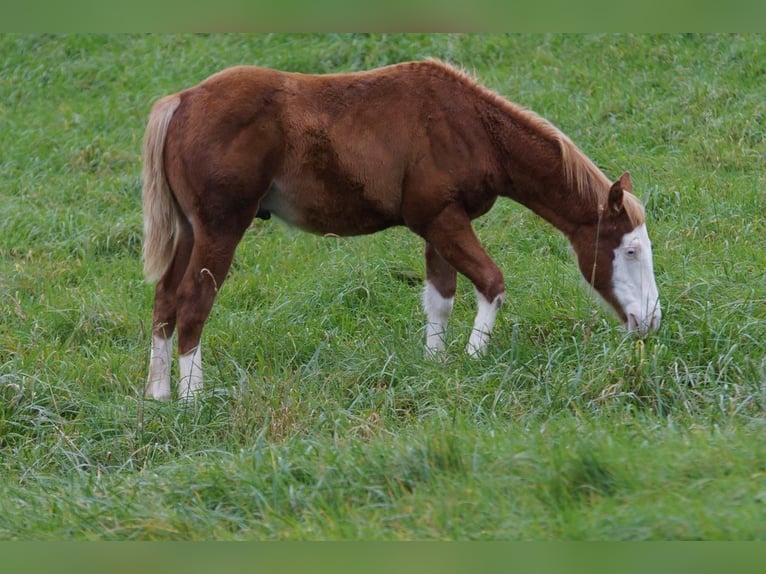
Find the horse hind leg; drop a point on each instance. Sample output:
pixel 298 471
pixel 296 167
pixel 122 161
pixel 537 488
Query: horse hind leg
pixel 208 266
pixel 158 382
pixel 164 316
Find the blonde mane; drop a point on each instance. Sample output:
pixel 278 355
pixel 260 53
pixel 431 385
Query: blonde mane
pixel 581 173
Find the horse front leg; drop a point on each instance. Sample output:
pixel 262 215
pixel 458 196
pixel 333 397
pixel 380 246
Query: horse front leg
pixel 452 236
pixel 438 299
pixel 160 359
pixel 486 315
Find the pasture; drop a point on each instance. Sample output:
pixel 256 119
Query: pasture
pixel 322 418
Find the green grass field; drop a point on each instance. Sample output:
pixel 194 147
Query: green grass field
pixel 321 418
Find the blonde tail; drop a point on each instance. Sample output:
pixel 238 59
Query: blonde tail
pixel 160 209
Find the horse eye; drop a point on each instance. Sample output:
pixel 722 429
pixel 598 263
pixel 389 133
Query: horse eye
pixel 631 251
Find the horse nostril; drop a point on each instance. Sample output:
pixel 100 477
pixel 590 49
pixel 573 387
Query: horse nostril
pixel 633 322
pixel 655 324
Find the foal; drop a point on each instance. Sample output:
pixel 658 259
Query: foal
pixel 418 144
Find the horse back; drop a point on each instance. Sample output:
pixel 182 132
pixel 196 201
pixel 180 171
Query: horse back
pixel 340 153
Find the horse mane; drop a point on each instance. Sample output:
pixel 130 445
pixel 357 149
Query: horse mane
pixel 591 184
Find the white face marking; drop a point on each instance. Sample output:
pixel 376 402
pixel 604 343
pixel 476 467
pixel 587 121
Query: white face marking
pixel 483 324
pixel 191 373
pixel 437 310
pixel 633 282
pixel 158 384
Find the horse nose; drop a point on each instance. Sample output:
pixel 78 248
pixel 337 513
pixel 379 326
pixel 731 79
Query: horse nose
pixel 643 324
pixel 640 325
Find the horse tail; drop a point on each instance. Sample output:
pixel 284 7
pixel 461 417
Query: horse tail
pixel 160 209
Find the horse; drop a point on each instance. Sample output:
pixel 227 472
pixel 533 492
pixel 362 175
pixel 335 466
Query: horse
pixel 416 144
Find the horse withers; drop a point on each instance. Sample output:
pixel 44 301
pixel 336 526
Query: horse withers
pixel 418 144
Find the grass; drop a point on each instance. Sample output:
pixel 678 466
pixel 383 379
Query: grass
pixel 321 417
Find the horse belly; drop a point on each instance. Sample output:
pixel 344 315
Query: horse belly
pixel 322 211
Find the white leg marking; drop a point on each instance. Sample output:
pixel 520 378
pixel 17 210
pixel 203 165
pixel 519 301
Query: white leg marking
pixel 483 324
pixel 437 310
pixel 191 373
pixel 158 383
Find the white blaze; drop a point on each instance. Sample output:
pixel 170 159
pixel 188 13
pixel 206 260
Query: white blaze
pixel 633 281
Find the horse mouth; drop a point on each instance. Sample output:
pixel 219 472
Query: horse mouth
pixel 642 326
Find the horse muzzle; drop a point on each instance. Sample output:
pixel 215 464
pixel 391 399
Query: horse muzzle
pixel 643 321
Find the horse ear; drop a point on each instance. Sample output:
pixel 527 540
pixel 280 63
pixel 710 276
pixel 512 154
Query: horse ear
pixel 615 193
pixel 625 182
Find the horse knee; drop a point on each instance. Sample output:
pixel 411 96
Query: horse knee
pixel 493 288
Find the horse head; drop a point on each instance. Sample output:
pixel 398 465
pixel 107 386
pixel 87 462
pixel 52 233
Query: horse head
pixel 615 256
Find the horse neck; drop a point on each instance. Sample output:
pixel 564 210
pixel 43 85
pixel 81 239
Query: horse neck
pixel 556 202
pixel 544 171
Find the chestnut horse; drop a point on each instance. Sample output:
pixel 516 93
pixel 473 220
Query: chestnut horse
pixel 418 144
